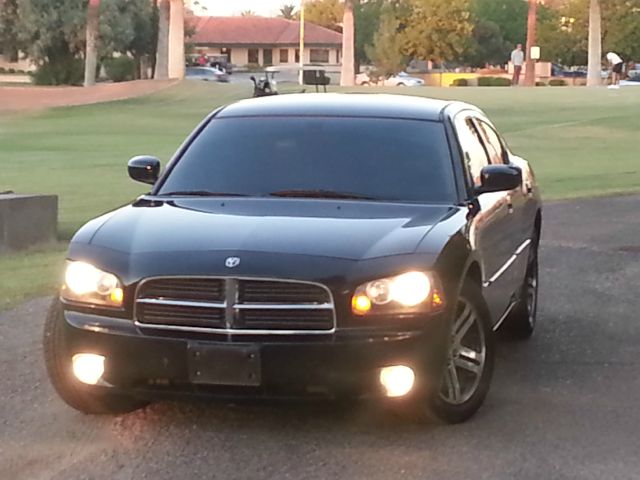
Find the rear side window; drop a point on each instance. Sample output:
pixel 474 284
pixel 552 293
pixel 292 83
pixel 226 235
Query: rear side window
pixel 384 159
pixel 473 151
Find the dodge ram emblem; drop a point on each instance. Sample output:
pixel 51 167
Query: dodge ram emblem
pixel 232 262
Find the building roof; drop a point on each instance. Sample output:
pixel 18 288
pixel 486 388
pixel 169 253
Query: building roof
pixel 339 105
pixel 254 30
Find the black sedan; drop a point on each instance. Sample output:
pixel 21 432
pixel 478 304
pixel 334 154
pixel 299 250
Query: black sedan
pixel 362 246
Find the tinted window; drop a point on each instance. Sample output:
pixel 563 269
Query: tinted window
pixel 404 160
pixel 492 142
pixel 474 154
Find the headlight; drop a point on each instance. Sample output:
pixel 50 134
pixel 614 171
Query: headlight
pixel 87 284
pixel 407 293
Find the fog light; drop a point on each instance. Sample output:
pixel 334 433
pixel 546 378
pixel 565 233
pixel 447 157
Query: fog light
pixel 397 380
pixel 88 367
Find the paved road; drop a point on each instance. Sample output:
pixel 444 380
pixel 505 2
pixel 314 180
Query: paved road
pixel 563 406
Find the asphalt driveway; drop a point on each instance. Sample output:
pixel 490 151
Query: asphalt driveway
pixel 563 405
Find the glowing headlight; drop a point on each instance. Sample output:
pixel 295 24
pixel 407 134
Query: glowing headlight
pixel 88 284
pixel 397 294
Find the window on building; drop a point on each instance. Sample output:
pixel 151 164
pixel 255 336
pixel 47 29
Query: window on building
pixel 319 55
pixel 254 56
pixel 267 55
pixel 284 55
pixel 297 55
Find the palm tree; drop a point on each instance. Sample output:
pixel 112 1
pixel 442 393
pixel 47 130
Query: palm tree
pixel 248 13
pixel 347 77
pixel 287 11
pixel 162 52
pixel 92 32
pixel 595 45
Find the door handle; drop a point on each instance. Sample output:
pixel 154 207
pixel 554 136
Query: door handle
pixel 509 204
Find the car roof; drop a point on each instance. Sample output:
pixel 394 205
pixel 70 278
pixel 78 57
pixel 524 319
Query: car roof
pixel 340 105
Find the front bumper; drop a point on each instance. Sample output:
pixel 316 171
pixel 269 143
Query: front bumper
pixel 344 364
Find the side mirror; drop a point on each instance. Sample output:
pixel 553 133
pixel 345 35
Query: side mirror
pixel 144 169
pixel 499 178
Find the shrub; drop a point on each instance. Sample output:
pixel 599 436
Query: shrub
pixel 62 72
pixel 557 82
pixel 540 84
pixel 494 82
pixel 120 69
pixel 3 70
pixel 11 70
pixel 460 82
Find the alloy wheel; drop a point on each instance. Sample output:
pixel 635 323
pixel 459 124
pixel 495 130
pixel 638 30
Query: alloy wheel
pixel 466 356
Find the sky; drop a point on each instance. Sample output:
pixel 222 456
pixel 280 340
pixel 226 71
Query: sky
pixel 234 7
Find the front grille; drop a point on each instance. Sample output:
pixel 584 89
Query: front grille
pixel 254 291
pixel 235 305
pixel 205 289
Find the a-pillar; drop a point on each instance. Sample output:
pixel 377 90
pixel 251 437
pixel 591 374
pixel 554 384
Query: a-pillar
pixel 176 40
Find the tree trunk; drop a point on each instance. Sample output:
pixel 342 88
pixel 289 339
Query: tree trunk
pixel 532 20
pixel 92 32
pixel 162 52
pixel 595 45
pixel 347 77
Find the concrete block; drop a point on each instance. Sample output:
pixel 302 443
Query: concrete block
pixel 27 220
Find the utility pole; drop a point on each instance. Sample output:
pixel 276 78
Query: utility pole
pixel 532 19
pixel 301 46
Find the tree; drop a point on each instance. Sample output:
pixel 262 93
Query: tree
pixel 348 74
pixel 9 45
pixel 437 30
pixel 368 18
pixel 487 45
pixel 386 50
pixel 91 49
pixel 247 13
pixel 595 45
pixel 621 32
pixel 288 12
pixel 326 13
pixel 509 15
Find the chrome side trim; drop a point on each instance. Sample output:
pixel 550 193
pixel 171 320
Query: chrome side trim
pixel 181 303
pixel 504 316
pixel 234 305
pixel 508 263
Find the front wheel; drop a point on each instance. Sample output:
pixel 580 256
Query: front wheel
pixel 74 393
pixel 468 367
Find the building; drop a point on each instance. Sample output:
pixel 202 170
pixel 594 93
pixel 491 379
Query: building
pixel 253 40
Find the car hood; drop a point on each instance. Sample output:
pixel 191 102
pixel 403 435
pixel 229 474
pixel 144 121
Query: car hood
pixel 341 229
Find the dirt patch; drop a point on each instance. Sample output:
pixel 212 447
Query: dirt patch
pixel 29 98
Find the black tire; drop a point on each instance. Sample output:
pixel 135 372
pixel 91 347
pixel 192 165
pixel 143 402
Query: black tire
pixel 471 396
pixel 400 84
pixel 522 319
pixel 82 397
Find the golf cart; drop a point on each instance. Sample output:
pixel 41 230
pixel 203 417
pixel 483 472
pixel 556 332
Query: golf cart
pixel 266 85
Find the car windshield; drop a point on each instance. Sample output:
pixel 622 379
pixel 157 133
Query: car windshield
pixel 322 157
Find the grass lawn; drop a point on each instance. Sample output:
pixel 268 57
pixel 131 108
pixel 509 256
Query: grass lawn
pixel 580 141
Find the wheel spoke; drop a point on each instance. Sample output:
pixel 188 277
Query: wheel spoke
pixel 452 383
pixel 465 364
pixel 462 324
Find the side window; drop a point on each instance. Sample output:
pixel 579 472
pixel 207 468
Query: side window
pixel 493 143
pixel 474 154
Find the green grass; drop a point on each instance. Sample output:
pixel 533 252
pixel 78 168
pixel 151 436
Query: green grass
pixel 31 274
pixel 580 141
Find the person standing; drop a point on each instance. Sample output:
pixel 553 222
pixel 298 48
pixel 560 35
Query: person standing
pixel 615 64
pixel 517 60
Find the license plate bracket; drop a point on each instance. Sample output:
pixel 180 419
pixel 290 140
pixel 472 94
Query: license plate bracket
pixel 232 365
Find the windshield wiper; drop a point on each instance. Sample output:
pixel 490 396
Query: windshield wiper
pixel 202 193
pixel 320 194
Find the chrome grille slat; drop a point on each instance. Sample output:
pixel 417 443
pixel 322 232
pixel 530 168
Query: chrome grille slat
pixel 235 305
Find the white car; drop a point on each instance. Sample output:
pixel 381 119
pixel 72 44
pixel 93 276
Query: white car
pixel 402 79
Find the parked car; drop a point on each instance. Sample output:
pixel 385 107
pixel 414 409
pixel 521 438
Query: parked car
pixel 402 79
pixel 206 74
pixel 317 245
